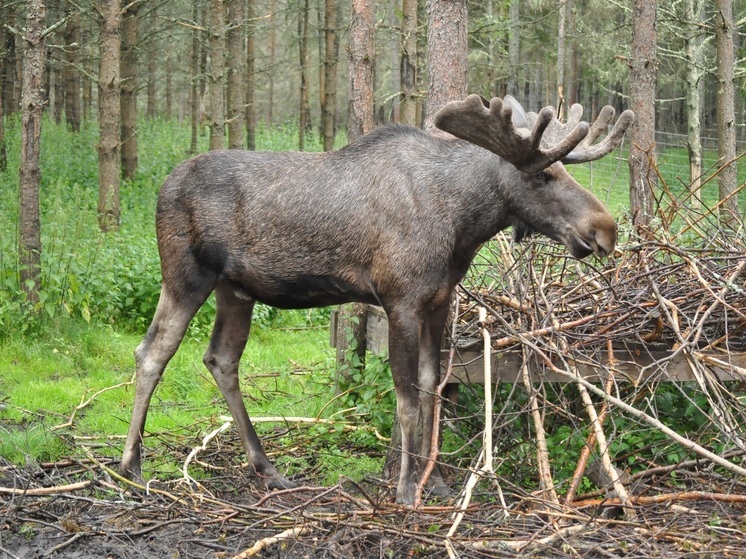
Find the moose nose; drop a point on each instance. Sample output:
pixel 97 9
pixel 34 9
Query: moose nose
pixel 605 238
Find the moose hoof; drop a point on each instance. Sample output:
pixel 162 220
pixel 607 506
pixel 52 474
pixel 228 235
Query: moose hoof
pixel 278 482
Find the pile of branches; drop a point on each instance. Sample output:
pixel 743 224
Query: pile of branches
pixel 672 298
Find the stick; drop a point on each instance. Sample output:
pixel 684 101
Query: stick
pixel 45 490
pixel 271 540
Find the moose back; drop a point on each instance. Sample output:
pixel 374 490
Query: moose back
pixel 393 219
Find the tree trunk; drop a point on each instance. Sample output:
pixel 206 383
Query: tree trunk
pixel 303 59
pixel 331 53
pixel 250 79
pixel 351 322
pixel 128 100
pixel 71 73
pixel 514 47
pixel 152 106
pixel 561 34
pixel 725 102
pixel 236 95
pixel 408 65
pixel 3 146
pixel 272 48
pixel 32 104
pixel 642 159
pixel 109 117
pixel 694 52
pixel 216 74
pixel 362 56
pixel 447 55
pixel 196 78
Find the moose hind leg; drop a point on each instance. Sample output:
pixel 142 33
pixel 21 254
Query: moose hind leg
pixel 429 377
pixel 404 339
pixel 229 336
pixel 164 335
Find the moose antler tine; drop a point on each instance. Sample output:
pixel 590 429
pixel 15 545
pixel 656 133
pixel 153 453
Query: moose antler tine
pixel 588 152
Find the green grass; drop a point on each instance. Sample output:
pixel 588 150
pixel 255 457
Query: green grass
pixel 99 293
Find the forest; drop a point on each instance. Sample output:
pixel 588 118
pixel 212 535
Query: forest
pixel 615 403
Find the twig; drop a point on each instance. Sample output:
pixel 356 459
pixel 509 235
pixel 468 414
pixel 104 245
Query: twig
pixel 46 490
pixel 271 540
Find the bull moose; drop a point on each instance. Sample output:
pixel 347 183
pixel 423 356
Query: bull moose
pixel 393 219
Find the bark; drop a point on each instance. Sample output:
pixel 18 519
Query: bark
pixel 446 55
pixel 362 56
pixel 235 15
pixel 272 48
pixel 331 53
pixel 514 47
pixel 152 107
pixel 303 120
pixel 351 322
pixel 71 73
pixel 195 70
pixel 408 66
pixel 216 74
pixel 128 101
pixel 561 35
pixel 642 159
pixel 250 79
pixel 725 105
pixel 109 119
pixel 32 104
pixel 694 52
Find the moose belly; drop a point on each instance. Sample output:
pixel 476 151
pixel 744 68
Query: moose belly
pixel 304 291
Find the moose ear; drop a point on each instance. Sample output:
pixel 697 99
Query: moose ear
pixel 485 102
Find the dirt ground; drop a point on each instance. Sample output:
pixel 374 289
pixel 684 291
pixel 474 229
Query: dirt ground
pixel 79 510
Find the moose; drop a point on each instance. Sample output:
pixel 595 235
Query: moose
pixel 393 219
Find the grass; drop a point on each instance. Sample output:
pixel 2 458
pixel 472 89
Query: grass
pixel 99 294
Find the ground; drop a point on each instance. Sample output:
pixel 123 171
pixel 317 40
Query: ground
pixel 225 516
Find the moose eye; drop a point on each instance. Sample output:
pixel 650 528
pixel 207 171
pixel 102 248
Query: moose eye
pixel 541 176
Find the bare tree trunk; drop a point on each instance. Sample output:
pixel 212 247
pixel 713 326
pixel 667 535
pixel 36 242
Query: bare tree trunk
pixel 303 56
pixel 571 57
pixel 32 103
pixel 725 101
pixel 514 47
pixel 109 163
pixel 408 66
pixel 331 53
pixel 250 79
pixel 272 48
pixel 694 52
pixel 128 99
pixel 216 74
pixel 351 322
pixel 642 159
pixel 194 63
pixel 3 146
pixel 71 73
pixel 235 15
pixel 447 55
pixel 561 33
pixel 152 105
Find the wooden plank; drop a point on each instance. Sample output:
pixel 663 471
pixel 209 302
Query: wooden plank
pixel 468 367
pixel 629 362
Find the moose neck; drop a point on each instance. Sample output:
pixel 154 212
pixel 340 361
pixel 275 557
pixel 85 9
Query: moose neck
pixel 477 194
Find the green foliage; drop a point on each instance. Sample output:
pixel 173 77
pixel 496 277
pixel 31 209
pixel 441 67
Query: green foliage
pixel 110 278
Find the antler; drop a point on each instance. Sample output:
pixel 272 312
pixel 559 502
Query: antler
pixel 531 141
